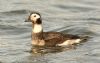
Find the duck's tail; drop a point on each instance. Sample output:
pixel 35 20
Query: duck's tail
pixel 80 40
pixel 84 38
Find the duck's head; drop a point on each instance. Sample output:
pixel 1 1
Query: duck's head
pixel 34 17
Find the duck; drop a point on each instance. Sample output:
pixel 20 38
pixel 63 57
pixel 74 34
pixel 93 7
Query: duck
pixel 49 39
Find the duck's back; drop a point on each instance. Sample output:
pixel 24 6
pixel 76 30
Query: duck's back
pixel 54 38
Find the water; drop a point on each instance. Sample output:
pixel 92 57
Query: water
pixel 67 16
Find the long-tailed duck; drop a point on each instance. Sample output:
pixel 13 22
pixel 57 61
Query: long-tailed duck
pixel 40 38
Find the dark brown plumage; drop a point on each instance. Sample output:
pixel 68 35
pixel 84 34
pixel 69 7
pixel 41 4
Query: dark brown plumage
pixel 54 38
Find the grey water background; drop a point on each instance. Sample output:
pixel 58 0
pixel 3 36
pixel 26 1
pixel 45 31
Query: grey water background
pixel 80 17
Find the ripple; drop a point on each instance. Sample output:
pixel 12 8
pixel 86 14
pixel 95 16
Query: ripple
pixel 95 19
pixel 15 12
pixel 74 8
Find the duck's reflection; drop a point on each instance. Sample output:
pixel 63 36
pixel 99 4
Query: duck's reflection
pixel 44 50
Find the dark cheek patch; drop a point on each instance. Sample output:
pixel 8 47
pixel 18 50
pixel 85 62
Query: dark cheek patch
pixel 39 21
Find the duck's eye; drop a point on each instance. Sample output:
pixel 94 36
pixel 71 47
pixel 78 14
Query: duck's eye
pixel 34 15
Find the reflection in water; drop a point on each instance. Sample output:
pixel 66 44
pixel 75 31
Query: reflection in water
pixel 44 50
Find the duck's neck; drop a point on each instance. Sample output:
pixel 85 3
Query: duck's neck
pixel 37 32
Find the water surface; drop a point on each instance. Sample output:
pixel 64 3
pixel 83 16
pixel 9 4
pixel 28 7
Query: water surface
pixel 67 16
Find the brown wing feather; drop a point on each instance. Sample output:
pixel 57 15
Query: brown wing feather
pixel 52 38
